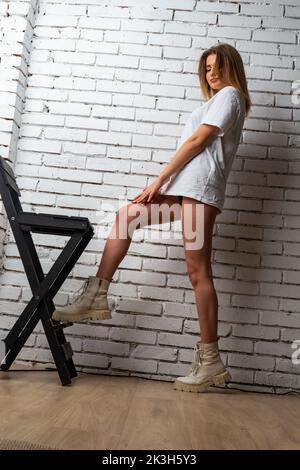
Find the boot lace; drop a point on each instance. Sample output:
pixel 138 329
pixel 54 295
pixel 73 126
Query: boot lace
pixel 197 362
pixel 75 296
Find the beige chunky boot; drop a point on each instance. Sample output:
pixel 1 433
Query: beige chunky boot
pixel 91 304
pixel 207 369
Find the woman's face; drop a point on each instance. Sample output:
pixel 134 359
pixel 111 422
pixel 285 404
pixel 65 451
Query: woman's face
pixel 212 79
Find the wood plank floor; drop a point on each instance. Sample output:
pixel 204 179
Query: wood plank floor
pixel 104 412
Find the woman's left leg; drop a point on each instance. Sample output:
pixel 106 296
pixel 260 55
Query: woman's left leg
pixel 199 218
pixel 207 367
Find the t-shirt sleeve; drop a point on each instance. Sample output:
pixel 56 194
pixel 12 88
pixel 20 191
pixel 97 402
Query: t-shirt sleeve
pixel 222 113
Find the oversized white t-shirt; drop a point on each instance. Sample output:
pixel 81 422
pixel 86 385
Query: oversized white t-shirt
pixel 204 177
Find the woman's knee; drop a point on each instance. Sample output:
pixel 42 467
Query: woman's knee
pixel 199 271
pixel 132 216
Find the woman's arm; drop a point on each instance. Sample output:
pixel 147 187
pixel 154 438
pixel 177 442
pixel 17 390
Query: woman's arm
pixel 189 149
pixel 203 135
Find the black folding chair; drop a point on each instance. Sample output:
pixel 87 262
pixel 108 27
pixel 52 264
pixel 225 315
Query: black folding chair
pixel 44 288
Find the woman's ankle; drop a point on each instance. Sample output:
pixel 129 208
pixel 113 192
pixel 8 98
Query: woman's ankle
pixel 106 278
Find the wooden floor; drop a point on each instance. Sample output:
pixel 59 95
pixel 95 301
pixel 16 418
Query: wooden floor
pixel 104 412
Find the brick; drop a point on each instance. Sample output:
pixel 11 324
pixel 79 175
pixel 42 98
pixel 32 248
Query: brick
pixel 250 361
pixel 276 349
pixel 134 336
pixel 153 352
pixel 132 364
pixel 256 331
pixel 291 320
pixel 105 347
pixel 278 379
pixel 133 305
pixel 91 360
pixel 162 324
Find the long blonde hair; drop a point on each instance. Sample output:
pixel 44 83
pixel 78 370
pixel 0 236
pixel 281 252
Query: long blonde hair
pixel 230 68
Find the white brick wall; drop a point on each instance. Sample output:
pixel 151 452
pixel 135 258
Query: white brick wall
pixel 16 29
pixel 110 86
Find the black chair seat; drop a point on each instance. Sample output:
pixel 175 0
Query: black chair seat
pixel 53 224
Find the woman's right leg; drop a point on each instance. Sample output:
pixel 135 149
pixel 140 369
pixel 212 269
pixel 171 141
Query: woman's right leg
pixel 92 303
pixel 128 218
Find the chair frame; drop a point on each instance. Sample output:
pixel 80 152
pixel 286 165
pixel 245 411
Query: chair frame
pixel 43 287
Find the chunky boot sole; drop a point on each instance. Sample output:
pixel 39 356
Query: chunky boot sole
pixel 79 317
pixel 218 379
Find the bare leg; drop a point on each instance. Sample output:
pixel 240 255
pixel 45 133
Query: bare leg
pixel 207 307
pixel 116 247
pixel 114 251
pixel 199 270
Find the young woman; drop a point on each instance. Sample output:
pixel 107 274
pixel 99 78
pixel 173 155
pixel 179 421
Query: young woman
pixel 195 178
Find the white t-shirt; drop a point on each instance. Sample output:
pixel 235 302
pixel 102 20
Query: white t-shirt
pixel 204 177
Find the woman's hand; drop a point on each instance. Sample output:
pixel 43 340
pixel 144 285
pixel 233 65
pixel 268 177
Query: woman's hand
pixel 150 193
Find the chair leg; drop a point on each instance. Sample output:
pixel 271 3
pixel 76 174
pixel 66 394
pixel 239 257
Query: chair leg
pixel 56 339
pixel 56 349
pixel 69 362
